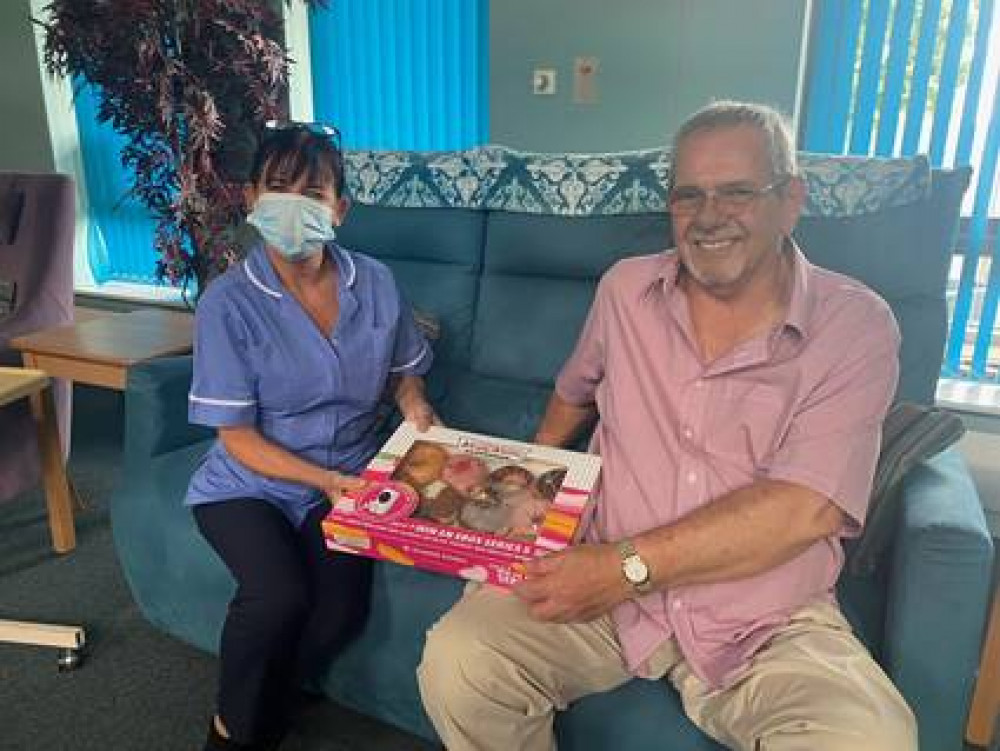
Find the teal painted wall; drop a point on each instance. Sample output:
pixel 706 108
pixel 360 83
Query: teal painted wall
pixel 659 61
pixel 24 130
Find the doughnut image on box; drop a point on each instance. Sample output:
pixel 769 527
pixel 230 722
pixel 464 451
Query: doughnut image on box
pixel 479 492
pixel 465 504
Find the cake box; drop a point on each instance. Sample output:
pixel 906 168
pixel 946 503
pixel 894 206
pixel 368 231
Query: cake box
pixel 465 504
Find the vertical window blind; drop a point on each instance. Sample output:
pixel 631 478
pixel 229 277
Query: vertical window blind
pixel 120 229
pixel 402 74
pixel 901 77
pixel 392 74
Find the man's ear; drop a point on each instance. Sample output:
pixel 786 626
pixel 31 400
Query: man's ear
pixel 794 201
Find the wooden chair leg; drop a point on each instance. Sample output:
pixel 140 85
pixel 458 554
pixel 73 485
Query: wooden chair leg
pixel 986 697
pixel 57 489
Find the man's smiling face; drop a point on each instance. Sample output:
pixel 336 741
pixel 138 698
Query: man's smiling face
pixel 725 249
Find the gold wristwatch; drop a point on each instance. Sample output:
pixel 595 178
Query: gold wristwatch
pixel 634 569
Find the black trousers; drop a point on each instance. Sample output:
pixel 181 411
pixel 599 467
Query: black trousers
pixel 296 606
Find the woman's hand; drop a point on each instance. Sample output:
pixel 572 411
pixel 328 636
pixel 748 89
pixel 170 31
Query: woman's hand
pixel 412 403
pixel 335 485
pixel 421 414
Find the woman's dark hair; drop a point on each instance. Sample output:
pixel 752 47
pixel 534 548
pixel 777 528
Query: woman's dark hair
pixel 287 154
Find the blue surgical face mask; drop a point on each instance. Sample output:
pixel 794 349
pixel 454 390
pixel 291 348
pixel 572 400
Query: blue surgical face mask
pixel 295 225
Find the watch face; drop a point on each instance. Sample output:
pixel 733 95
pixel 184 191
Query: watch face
pixel 635 570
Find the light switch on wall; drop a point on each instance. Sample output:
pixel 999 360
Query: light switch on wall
pixel 543 81
pixel 585 80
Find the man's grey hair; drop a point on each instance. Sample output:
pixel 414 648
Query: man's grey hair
pixel 729 114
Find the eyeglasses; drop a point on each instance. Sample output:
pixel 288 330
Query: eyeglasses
pixel 317 129
pixel 731 198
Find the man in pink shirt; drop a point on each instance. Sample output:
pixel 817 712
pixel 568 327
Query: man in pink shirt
pixel 739 393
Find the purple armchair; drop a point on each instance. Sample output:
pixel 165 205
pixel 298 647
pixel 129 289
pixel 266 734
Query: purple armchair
pixel 37 224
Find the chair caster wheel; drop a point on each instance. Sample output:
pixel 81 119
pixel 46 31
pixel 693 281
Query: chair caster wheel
pixel 69 659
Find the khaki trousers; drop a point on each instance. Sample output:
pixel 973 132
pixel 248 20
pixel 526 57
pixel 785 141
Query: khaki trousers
pixel 491 678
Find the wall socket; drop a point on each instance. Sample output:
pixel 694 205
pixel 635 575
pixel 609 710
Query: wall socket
pixel 543 82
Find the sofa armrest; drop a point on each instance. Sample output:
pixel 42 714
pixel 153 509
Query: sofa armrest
pixel 938 595
pixel 156 408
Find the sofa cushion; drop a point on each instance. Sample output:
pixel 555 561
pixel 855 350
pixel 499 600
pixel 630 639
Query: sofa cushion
pixel 157 393
pixel 911 239
pixel 445 293
pixel 610 184
pixel 650 710
pixel 923 323
pixel 539 277
pixel 850 185
pixel 435 255
pixel 569 247
pixel 495 406
pixel 178 582
pixel 527 326
pixel 376 674
pixel 440 236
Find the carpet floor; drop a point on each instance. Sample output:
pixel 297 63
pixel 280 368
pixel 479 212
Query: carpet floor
pixel 137 688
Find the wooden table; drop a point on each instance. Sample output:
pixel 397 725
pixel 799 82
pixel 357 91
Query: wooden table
pixel 18 383
pixel 97 350
pixel 100 349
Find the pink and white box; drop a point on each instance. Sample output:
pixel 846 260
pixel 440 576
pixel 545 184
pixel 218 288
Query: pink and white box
pixel 464 504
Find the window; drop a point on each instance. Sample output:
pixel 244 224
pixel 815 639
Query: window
pixel 921 76
pixel 402 74
pixel 393 74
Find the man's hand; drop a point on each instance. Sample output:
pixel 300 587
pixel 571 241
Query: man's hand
pixel 574 585
pixel 336 484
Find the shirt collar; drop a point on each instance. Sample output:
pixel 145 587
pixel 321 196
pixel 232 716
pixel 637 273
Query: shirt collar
pixel 261 273
pixel 800 301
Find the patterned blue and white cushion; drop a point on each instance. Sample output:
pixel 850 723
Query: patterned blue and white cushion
pixel 851 185
pixel 632 182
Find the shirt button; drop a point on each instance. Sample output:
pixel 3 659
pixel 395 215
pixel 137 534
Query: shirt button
pixel 688 433
pixel 698 384
pixel 678 604
pixel 692 478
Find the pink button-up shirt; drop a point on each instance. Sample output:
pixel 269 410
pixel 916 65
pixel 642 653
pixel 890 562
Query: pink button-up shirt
pixel 802 403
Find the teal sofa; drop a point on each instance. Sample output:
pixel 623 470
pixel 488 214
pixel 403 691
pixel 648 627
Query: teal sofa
pixel 505 250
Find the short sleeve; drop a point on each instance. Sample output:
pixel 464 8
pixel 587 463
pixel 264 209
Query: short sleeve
pixel 411 353
pixel 223 387
pixel 578 380
pixel 833 441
